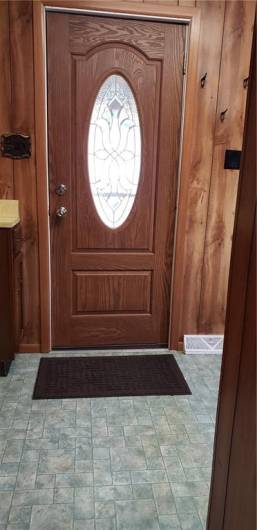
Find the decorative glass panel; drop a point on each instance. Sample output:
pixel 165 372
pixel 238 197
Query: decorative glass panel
pixel 114 151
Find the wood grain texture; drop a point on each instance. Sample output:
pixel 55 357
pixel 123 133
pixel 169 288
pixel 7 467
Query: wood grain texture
pixel 42 174
pixel 22 120
pixel 59 168
pixel 30 348
pixel 187 3
pixel 39 53
pixel 240 509
pixel 109 291
pixel 6 164
pixel 188 291
pixel 189 125
pixel 169 2
pixel 7 329
pixel 157 8
pixel 18 285
pixel 181 313
pixel 145 79
pixel 104 261
pixel 150 42
pixel 232 496
pixel 148 229
pixel 239 19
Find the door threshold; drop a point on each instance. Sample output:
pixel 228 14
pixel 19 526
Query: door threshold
pixel 108 351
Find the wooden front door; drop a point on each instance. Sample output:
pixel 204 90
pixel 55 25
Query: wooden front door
pixel 114 113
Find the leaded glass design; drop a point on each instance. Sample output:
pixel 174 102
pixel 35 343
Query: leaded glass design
pixel 114 151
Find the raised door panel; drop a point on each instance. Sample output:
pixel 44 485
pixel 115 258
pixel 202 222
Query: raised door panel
pixel 106 291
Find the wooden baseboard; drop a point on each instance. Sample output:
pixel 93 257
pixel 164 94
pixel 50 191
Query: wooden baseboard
pixel 29 348
pixel 36 348
pixel 181 346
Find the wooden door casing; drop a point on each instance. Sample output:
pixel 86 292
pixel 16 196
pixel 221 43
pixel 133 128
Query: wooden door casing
pixel 112 287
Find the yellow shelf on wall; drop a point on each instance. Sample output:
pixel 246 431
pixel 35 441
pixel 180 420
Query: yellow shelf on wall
pixel 9 213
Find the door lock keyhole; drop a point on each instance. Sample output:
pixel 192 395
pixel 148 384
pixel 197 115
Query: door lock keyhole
pixel 60 189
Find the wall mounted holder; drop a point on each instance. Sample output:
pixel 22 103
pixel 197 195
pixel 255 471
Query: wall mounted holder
pixel 223 114
pixel 203 79
pixel 15 146
pixel 246 82
pixel 232 159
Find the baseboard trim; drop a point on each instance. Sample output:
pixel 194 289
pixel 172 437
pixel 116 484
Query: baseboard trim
pixel 181 346
pixel 29 348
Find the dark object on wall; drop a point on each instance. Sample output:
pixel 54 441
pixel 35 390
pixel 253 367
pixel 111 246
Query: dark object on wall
pixel 223 114
pixel 203 80
pixel 16 146
pixel 10 317
pixel 245 82
pixel 232 159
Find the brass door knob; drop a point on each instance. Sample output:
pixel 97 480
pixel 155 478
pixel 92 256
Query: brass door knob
pixel 62 211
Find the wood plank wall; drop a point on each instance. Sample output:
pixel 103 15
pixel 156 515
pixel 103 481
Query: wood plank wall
pixel 235 61
pixel 6 165
pixel 188 281
pixel 225 42
pixel 200 286
pixel 18 177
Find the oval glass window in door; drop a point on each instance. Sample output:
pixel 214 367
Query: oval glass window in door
pixel 114 151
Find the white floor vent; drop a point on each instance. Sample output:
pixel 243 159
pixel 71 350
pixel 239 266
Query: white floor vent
pixel 204 344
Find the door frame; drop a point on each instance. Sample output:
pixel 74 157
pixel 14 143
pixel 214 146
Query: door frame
pixel 135 9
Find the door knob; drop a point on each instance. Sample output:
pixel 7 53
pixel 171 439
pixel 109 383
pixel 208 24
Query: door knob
pixel 60 189
pixel 62 211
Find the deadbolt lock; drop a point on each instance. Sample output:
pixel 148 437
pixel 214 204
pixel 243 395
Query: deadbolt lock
pixel 62 211
pixel 60 189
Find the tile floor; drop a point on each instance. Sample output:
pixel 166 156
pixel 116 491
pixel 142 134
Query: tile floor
pixel 139 463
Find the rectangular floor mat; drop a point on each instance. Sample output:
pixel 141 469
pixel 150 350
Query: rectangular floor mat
pixel 91 377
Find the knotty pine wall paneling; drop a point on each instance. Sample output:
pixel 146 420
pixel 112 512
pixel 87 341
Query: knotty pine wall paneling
pixel 184 3
pixel 6 164
pixel 235 64
pixel 188 275
pixel 22 120
pixel 187 3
